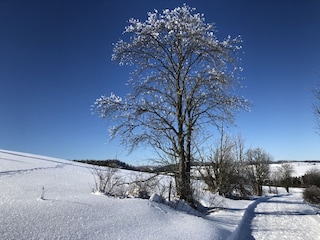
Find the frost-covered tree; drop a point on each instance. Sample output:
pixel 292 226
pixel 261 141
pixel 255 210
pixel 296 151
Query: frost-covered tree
pixel 185 79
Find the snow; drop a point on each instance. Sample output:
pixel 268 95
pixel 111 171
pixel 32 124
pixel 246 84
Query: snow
pixel 300 168
pixel 69 210
pixel 283 216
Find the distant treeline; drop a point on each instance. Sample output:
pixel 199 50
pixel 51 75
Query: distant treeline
pixel 114 163
pixel 296 161
pixel 171 168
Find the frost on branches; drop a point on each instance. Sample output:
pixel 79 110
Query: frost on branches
pixel 185 79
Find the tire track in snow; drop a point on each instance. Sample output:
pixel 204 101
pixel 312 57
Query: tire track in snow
pixel 59 162
pixel 38 157
pixel 12 172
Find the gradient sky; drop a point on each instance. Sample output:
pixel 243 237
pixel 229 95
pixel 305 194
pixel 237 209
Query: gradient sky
pixel 55 60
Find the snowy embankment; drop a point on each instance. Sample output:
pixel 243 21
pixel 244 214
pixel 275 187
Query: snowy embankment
pixel 70 211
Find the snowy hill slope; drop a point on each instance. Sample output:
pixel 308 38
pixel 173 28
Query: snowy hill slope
pixel 70 211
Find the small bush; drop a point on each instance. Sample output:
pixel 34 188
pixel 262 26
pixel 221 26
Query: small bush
pixel 312 195
pixel 106 180
pixel 143 187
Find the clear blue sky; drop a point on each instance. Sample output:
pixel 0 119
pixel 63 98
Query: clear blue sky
pixel 55 60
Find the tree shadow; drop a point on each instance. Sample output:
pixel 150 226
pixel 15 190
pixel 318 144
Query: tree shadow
pixel 291 213
pixel 286 202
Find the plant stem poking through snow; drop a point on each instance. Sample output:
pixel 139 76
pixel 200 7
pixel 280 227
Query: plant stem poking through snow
pixel 42 194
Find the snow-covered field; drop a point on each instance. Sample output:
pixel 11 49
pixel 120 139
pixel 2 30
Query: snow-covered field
pixel 70 210
pixel 300 168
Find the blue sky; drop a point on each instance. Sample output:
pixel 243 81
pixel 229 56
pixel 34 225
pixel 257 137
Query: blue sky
pixel 55 60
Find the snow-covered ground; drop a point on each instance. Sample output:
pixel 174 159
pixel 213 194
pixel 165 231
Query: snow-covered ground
pixel 70 210
pixel 283 216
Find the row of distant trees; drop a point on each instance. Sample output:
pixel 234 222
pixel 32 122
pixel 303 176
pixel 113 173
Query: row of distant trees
pixel 112 163
pixel 233 170
pixel 230 169
pixel 310 178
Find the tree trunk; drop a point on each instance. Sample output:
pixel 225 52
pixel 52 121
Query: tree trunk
pixel 188 168
pixel 259 189
pixel 183 184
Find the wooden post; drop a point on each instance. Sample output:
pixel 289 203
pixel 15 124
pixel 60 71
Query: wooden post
pixel 170 186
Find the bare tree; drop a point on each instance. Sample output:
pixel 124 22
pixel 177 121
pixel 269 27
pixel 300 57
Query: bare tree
pixel 258 161
pixel 223 164
pixel 241 166
pixel 225 169
pixel 185 79
pixel 218 165
pixel 285 175
pixel 274 181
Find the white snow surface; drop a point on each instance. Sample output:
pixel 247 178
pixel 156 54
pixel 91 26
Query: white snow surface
pixel 69 210
pixel 283 216
pixel 299 168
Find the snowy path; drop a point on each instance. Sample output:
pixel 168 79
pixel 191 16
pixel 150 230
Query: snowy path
pixel 281 217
